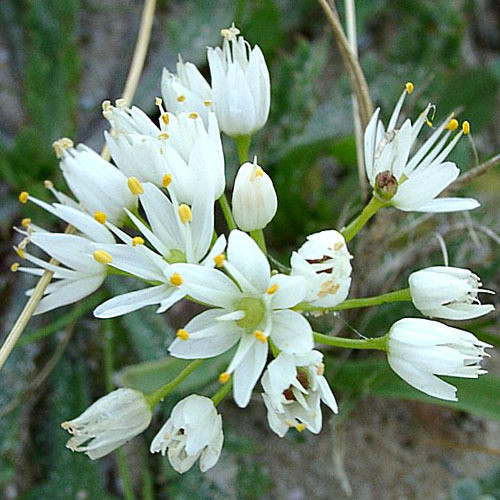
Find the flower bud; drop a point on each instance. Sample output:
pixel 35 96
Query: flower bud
pixel 241 88
pixel 324 261
pixel 254 198
pixel 420 349
pixel 109 423
pixel 194 430
pixel 447 292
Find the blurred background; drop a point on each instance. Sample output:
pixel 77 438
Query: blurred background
pixel 60 59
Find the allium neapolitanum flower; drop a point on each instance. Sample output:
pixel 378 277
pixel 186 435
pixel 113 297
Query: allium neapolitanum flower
pixel 324 261
pixel 98 185
pixel 447 292
pixel 187 90
pixel 254 198
pixel 294 387
pixel 178 233
pixel 248 311
pixel 181 149
pixel 412 183
pixel 109 423
pixel 79 274
pixel 241 89
pixel 420 349
pixel 194 430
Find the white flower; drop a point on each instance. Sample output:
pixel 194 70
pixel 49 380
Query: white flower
pixel 194 430
pixel 412 184
pixel 109 423
pixel 187 90
pixel 182 147
pixel 79 274
pixel 447 292
pixel 293 387
pixel 324 261
pixel 247 311
pixel 254 198
pixel 420 349
pixel 177 233
pixel 98 185
pixel 241 89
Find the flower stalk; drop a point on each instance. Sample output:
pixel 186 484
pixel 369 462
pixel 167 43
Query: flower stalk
pixel 379 343
pixel 226 210
pixel 374 205
pixel 222 392
pixel 155 397
pixel 396 296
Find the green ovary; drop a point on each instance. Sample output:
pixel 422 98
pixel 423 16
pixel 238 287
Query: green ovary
pixel 254 310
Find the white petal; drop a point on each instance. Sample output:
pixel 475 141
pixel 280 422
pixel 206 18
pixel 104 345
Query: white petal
pixel 449 205
pixel 291 291
pixel 132 301
pixel 207 337
pixel 291 332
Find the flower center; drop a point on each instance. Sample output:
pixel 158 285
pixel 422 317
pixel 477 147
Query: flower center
pixel 254 310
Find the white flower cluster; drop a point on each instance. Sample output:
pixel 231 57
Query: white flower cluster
pixel 150 215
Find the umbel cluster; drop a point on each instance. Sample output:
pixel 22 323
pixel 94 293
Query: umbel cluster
pixel 149 216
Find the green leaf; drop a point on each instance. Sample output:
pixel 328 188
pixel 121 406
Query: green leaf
pixel 479 397
pixel 150 375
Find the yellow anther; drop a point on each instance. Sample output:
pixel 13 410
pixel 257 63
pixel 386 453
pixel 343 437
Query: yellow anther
pixel 14 267
pixel 182 334
pixel 260 336
pixel 100 217
pixel 121 103
pixel 61 145
pixel 193 116
pixel 167 179
pixel 428 122
pixel 137 241
pixel 163 135
pixel 185 213
pixel 103 257
pixel 20 253
pixel 466 127
pixel 181 98
pixel 207 102
pixel 272 289
pixel 26 222
pixel 176 279
pixel 230 32
pixel 224 377
pixel 338 246
pixel 328 288
pixel 257 172
pixel 48 184
pixel 23 196
pixel 219 260
pixel 409 87
pixel 300 427
pixel 135 186
pixel 158 101
pixel 452 124
pixel 320 370
pixel 165 118
pixel 106 105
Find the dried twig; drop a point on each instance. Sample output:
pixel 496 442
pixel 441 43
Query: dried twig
pixel 133 77
pixel 475 172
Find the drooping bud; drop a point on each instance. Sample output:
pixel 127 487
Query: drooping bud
pixel 254 198
pixel 386 185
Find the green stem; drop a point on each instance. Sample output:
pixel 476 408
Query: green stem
pixel 128 492
pixel 243 146
pixel 222 392
pixel 258 236
pixel 155 397
pixel 226 210
pixel 374 205
pixel 403 295
pixel 375 343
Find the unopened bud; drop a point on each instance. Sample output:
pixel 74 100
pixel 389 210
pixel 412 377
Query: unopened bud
pixel 254 198
pixel 386 185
